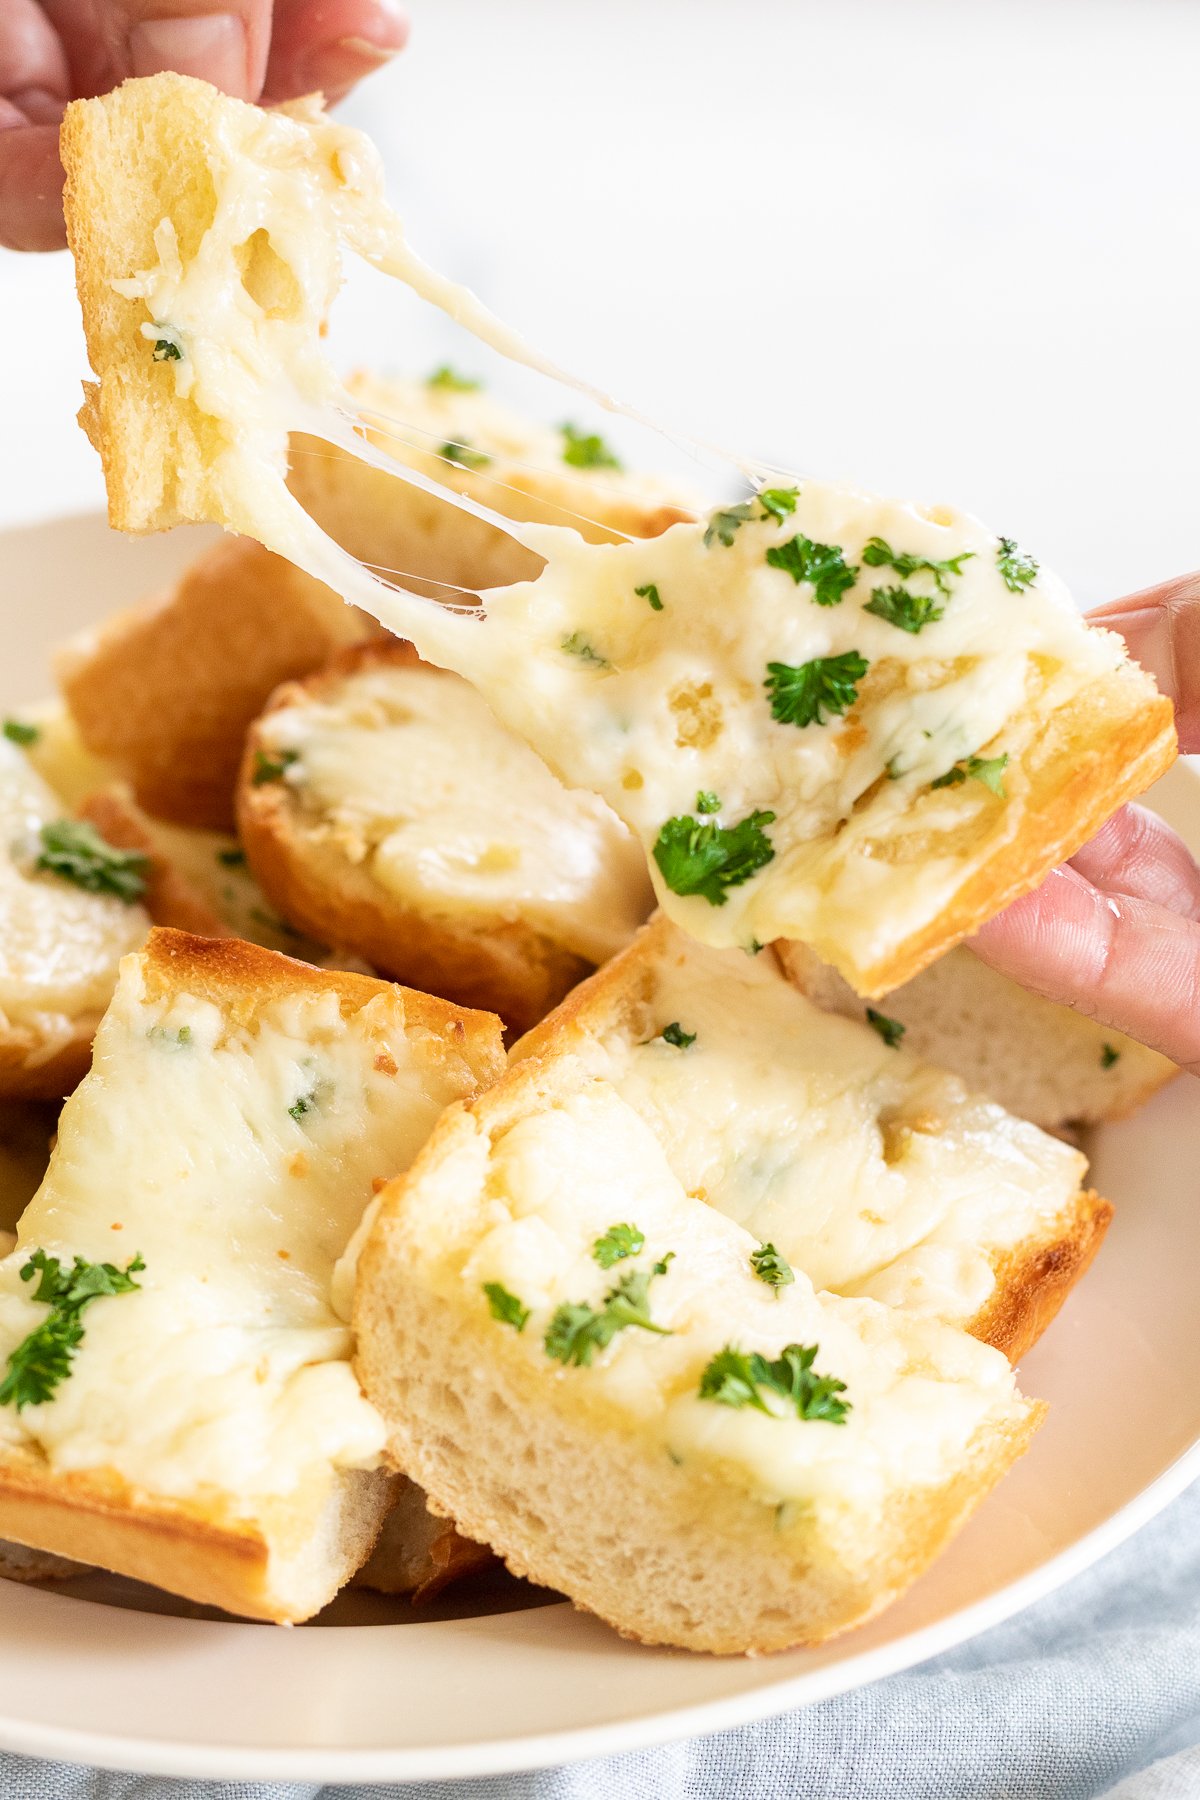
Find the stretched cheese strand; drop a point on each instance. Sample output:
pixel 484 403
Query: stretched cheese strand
pixel 680 677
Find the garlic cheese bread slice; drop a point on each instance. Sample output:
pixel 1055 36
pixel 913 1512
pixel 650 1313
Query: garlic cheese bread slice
pixel 576 1358
pixel 384 809
pixel 860 723
pixel 205 1432
pixel 872 1172
pixel 1044 1062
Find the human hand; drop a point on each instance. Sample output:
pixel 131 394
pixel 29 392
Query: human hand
pixel 1115 932
pixel 52 51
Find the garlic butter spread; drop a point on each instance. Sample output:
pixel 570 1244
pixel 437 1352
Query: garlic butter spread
pixel 872 1172
pixel 235 1150
pixel 407 773
pixel 556 1181
pixel 59 944
pixel 652 672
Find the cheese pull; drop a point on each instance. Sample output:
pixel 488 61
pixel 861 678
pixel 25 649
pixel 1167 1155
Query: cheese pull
pixel 859 723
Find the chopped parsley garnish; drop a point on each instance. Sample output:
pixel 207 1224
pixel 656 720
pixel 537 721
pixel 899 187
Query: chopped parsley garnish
pixel 618 1242
pixel 804 693
pixel 464 456
pixel 822 565
pixel 585 450
pixel 232 859
pixel 878 554
pixel 300 1106
pixel 178 1040
pixel 771 1267
pixel 272 768
pixel 577 645
pixel 988 769
pixel 505 1306
pixel 778 503
pixel 698 856
pixel 1017 570
pixel 451 382
pixel 577 1330
pixel 726 522
pixel 1108 1056
pixel 43 1359
pixel 675 1035
pixel 650 592
pixel 735 1378
pixel 707 801
pixel 890 1030
pixel 909 612
pixel 74 850
pixel 167 350
pixel 18 733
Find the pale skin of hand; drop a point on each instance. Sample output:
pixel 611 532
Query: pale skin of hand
pixel 52 51
pixel 1115 932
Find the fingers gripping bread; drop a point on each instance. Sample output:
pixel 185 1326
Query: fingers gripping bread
pixel 679 1519
pixel 209 1436
pixel 1041 1061
pixel 384 809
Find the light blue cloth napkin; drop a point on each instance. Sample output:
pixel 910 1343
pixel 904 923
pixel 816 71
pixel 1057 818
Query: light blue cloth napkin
pixel 1098 1685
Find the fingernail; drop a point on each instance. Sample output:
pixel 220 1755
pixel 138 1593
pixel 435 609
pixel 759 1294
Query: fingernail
pixel 212 46
pixel 358 46
pixel 39 105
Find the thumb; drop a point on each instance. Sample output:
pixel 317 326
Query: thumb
pixel 222 41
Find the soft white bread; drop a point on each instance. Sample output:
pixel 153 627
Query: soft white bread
pixel 418 1552
pixel 210 1437
pixel 403 822
pixel 1043 1062
pixel 678 1518
pixel 165 691
pixel 876 1174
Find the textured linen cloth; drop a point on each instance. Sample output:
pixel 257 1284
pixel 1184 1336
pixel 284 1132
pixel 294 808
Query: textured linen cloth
pixel 1094 1692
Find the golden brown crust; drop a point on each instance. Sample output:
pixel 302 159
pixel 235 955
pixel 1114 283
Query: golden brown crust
pixel 167 690
pixel 487 961
pixel 1034 1279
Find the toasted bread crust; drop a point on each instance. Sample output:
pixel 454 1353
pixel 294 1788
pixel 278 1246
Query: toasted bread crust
pixel 498 964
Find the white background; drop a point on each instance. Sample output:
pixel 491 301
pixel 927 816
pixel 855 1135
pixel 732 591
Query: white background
pixel 945 247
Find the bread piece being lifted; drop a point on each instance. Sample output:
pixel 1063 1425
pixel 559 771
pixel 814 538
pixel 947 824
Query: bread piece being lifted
pixel 1043 1062
pixel 384 809
pixel 863 724
pixel 208 1435
pixel 587 1358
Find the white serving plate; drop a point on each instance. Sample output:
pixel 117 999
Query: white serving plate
pixel 383 1693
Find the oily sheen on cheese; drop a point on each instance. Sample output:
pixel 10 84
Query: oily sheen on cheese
pixel 410 774
pixel 674 675
pixel 236 1155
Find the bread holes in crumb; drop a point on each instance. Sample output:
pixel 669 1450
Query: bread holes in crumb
pixel 267 278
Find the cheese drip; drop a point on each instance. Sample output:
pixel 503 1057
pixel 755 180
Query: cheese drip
pixel 650 705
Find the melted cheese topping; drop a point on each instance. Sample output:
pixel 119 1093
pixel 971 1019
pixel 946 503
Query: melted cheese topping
pixel 59 945
pixel 408 773
pixel 646 707
pixel 229 1370
pixel 873 1173
pixel 556 1181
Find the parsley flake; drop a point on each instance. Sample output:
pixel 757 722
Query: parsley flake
pixel 576 1330
pixel 618 1242
pixel 676 1036
pixel 725 523
pixel 1109 1055
pixel 1017 570
pixel 771 1267
pixel 74 850
pixel 451 382
pixel 878 554
pixel 696 856
pixel 585 450
pixel 272 768
pixel 505 1307
pixel 908 612
pixel 890 1030
pixel 43 1359
pixel 166 350
pixel 735 1378
pixel 650 592
pixel 18 733
pixel 821 565
pixel 232 859
pixel 988 769
pixel 707 801
pixel 464 456
pixel 778 503
pixel 803 693
pixel 577 645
